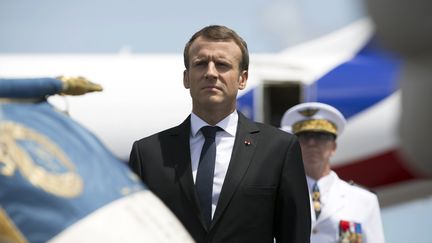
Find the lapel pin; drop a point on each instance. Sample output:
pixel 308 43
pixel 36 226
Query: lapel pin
pixel 247 142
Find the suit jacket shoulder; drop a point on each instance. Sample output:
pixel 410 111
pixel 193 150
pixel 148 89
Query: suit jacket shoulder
pixel 176 130
pixel 267 130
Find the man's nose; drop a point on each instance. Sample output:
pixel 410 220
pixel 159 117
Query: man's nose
pixel 312 141
pixel 211 70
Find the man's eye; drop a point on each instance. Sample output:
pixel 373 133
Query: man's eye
pixel 223 64
pixel 199 63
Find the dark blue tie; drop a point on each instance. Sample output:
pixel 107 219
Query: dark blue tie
pixel 205 173
pixel 316 199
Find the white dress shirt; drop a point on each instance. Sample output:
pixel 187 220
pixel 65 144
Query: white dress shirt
pixel 324 184
pixel 224 146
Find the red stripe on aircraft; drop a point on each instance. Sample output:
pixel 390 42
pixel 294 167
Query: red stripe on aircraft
pixel 376 171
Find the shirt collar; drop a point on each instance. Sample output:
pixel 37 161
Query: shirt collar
pixel 228 124
pixel 324 183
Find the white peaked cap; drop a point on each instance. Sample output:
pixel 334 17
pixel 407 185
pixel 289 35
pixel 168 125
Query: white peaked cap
pixel 313 117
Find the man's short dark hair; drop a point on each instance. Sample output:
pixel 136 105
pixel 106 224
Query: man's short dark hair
pixel 219 33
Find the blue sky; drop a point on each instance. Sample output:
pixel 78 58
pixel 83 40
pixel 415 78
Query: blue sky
pixel 140 26
pixel 107 26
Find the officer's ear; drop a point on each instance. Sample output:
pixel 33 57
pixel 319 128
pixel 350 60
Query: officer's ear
pixel 334 147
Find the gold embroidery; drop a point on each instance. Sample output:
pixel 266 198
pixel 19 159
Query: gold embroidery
pixel 20 100
pixel 43 174
pixel 7 166
pixel 318 125
pixel 309 112
pixel 8 230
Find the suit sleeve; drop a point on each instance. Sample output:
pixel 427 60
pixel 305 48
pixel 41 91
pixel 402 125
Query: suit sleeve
pixel 134 160
pixel 293 219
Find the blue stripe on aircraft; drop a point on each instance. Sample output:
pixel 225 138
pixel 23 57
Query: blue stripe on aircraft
pixel 351 87
pixel 361 82
pixel 245 104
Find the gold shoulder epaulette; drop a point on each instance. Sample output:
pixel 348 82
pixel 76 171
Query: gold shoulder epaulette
pixel 351 182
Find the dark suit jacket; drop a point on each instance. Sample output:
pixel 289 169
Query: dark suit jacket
pixel 264 194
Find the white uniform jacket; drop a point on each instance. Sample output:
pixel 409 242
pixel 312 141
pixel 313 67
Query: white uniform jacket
pixel 346 211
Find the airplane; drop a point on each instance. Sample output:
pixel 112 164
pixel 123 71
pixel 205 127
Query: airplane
pixel 144 94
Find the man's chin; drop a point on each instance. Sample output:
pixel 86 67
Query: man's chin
pixel 213 101
pixel 312 160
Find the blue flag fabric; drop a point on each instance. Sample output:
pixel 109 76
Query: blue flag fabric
pixel 52 170
pixel 29 88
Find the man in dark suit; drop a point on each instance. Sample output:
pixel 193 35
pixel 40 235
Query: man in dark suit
pixel 242 182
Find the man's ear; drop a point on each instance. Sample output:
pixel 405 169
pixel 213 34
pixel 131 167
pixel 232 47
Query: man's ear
pixel 243 79
pixel 186 79
pixel 334 148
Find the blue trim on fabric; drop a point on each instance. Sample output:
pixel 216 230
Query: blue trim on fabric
pixel 29 88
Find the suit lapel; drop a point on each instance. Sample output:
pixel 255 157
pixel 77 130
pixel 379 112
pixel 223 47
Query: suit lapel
pixel 244 147
pixel 181 154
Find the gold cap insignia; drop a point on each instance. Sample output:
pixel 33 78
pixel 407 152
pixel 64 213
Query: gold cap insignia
pixel 309 112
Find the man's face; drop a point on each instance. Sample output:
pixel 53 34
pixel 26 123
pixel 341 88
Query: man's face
pixel 214 76
pixel 317 147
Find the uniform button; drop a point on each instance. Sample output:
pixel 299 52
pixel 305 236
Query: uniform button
pixel 314 231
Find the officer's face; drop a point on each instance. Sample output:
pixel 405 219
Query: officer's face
pixel 317 147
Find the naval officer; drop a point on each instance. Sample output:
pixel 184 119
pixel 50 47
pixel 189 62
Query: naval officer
pixel 340 212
